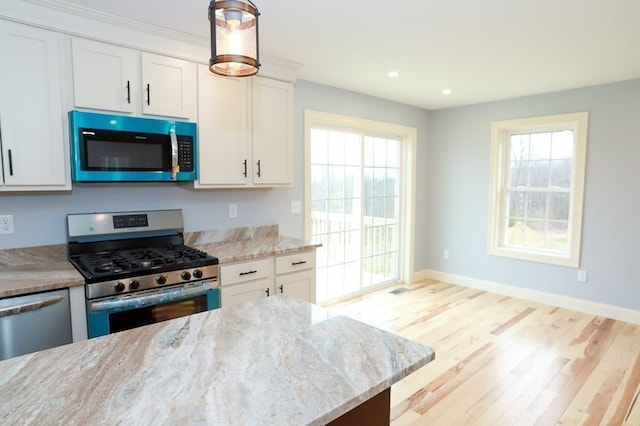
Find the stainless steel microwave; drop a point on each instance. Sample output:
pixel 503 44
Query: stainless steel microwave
pixel 116 148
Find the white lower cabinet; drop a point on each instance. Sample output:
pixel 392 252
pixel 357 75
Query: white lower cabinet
pixel 296 275
pixel 300 285
pixel 244 281
pixel 251 280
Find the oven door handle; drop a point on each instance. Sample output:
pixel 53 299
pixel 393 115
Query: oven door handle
pixel 153 297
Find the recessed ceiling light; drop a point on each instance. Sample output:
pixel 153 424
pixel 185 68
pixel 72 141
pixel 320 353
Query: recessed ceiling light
pixel 393 74
pixel 447 92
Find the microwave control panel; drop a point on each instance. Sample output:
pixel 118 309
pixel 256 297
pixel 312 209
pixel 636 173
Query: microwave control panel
pixel 185 153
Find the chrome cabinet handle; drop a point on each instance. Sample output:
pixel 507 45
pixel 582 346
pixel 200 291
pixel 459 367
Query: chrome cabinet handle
pixel 29 307
pixel 247 273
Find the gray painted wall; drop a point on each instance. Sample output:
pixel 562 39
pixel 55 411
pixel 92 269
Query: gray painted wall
pixel 39 218
pixel 451 195
pixel 458 192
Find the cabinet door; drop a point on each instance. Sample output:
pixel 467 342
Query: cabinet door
pixel 168 86
pixel 223 129
pixel 31 117
pixel 244 292
pixel 105 76
pixel 299 284
pixel 272 132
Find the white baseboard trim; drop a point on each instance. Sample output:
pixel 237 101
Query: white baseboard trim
pixel 580 305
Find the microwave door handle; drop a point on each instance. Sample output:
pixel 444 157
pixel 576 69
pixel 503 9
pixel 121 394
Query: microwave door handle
pixel 175 168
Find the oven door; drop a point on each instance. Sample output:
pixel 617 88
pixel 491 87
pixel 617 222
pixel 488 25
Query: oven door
pixel 113 314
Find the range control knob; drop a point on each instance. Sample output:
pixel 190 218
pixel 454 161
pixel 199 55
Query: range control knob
pixel 161 279
pixel 185 275
pixel 119 286
pixel 197 273
pixel 134 285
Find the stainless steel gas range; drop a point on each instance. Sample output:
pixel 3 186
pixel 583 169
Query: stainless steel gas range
pixel 138 270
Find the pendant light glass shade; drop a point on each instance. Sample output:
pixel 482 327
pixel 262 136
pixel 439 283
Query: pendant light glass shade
pixel 234 38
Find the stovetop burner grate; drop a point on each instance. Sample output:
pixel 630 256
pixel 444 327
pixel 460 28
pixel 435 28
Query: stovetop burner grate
pixel 140 259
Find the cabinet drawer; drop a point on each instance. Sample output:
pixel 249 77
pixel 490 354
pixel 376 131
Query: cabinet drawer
pixel 295 262
pixel 246 271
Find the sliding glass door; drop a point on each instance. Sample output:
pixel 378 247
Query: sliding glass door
pixel 355 185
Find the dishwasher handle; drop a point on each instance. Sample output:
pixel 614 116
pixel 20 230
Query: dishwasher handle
pixel 29 306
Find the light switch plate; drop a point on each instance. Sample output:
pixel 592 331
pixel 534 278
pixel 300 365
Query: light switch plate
pixel 233 210
pixel 296 206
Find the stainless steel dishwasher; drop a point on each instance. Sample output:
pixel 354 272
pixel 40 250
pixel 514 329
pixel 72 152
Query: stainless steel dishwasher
pixel 34 322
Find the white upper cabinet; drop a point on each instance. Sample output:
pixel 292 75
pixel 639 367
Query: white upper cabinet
pixel 32 136
pixel 169 86
pixel 115 78
pixel 272 132
pixel 114 67
pixel 223 129
pixel 245 130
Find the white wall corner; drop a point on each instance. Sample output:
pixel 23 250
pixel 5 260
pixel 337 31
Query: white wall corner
pixel 580 305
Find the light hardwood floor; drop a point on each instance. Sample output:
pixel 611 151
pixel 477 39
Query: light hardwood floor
pixel 506 361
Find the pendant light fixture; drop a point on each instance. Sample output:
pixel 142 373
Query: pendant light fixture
pixel 234 38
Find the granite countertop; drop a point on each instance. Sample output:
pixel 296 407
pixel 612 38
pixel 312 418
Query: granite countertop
pixel 34 269
pixel 37 277
pixel 43 268
pixel 278 360
pixel 236 251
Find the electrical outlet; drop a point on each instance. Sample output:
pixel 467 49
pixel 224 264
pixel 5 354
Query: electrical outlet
pixel 296 206
pixel 445 254
pixel 6 224
pixel 233 210
pixel 582 276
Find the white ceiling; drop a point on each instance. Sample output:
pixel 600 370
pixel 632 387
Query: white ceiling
pixel 483 50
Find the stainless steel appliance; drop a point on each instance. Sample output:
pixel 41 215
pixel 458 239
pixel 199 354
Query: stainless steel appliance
pixel 108 148
pixel 138 270
pixel 34 322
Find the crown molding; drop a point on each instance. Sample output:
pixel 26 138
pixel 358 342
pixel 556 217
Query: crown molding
pixel 116 21
pixel 70 19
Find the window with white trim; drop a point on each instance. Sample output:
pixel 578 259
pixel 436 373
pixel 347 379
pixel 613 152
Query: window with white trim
pixel 537 188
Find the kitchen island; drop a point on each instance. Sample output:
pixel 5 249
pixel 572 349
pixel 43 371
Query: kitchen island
pixel 278 360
